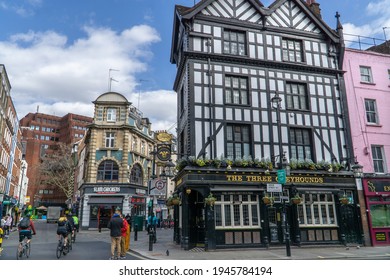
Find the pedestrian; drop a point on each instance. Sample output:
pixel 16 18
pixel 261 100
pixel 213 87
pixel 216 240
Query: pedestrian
pixel 2 222
pixel 128 220
pixel 1 239
pixel 152 222
pixel 115 225
pixel 8 223
pixel 124 230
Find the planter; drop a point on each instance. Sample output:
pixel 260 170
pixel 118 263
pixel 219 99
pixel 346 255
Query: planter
pixel 344 200
pixel 175 201
pixel 296 200
pixel 267 200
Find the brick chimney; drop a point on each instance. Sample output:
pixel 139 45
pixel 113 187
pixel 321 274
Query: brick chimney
pixel 314 7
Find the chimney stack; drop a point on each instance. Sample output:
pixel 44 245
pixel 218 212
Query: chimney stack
pixel 314 7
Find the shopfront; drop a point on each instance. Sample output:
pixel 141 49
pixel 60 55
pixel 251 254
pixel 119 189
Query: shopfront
pixel 99 202
pixel 377 194
pixel 240 217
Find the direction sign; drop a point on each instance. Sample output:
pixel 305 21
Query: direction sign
pixel 274 188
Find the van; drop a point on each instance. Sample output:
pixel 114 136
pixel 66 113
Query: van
pixel 53 214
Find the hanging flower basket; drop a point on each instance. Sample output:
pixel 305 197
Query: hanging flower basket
pixel 344 200
pixel 267 200
pixel 175 201
pixel 296 200
pixel 210 200
pixel 169 202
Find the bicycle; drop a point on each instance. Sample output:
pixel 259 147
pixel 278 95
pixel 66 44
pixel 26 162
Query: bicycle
pixel 24 249
pixel 61 248
pixel 74 236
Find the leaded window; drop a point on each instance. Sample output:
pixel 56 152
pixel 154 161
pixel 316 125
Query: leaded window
pixel 236 90
pixel 292 50
pixel 238 141
pixel 234 42
pixel 300 141
pixel 317 210
pixel 297 96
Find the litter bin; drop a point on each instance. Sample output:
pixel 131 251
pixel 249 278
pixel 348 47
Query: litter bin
pixel 139 222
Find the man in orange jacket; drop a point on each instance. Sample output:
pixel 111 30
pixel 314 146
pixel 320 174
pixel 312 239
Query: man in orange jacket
pixel 123 238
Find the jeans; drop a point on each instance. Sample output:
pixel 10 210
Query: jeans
pixel 115 244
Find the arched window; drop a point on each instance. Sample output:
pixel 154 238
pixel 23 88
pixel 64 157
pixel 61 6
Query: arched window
pixel 136 176
pixel 108 171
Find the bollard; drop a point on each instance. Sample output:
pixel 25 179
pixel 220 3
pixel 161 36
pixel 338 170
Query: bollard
pixel 150 242
pixel 135 232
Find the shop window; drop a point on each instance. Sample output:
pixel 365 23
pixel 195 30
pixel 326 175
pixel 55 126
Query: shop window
pixel 317 210
pixel 380 215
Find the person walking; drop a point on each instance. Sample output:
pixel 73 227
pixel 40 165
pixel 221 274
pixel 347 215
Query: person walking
pixel 115 225
pixel 1 239
pixel 124 230
pixel 7 227
pixel 128 220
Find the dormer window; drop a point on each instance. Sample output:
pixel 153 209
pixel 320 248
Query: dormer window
pixel 111 114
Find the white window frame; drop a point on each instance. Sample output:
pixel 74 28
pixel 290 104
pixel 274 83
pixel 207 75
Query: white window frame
pixel 111 114
pixel 373 111
pixel 110 140
pixel 232 204
pixel 366 74
pixel 313 202
pixel 378 159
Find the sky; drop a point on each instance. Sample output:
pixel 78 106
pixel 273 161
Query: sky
pixel 58 54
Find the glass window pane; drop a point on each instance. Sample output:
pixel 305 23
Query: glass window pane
pixel 255 217
pixel 245 214
pixel 228 217
pixel 236 210
pixel 218 215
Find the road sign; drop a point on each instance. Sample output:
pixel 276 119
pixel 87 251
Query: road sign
pixel 274 188
pixel 281 176
pixel 159 184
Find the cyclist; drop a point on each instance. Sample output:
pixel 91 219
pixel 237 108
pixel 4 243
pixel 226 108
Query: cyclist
pixel 26 231
pixel 71 223
pixel 76 222
pixel 63 228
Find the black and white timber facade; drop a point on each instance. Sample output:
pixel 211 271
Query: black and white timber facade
pixel 232 57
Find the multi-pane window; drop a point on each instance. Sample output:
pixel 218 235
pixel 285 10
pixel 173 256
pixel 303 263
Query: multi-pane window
pixel 237 211
pixel 365 74
pixel 292 50
pixel 136 175
pixel 111 114
pixel 300 141
pixel 234 42
pixel 236 90
pixel 238 141
pixel 108 171
pixel 388 73
pixel 317 210
pixel 371 113
pixel 110 139
pixel 297 96
pixel 378 159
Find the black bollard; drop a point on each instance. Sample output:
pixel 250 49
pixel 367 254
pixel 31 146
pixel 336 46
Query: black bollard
pixel 150 242
pixel 135 232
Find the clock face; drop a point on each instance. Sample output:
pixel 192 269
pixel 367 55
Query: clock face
pixel 164 137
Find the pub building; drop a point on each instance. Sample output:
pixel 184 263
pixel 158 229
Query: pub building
pixel 377 195
pixel 241 217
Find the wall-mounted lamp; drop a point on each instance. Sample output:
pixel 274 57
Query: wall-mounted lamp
pixel 188 191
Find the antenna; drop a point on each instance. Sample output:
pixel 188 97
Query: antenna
pixel 111 79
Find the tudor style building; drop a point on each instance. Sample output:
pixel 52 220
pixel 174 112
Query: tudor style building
pixel 233 58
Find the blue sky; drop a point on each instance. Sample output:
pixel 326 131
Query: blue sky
pixel 58 53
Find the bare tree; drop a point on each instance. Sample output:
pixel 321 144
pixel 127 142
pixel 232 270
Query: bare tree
pixel 57 169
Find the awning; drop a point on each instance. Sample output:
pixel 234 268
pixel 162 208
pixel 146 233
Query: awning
pixel 105 200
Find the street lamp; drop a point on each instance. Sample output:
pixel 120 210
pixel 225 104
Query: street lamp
pixel 276 102
pixel 21 183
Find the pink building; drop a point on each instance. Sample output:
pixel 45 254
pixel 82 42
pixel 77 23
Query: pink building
pixel 367 81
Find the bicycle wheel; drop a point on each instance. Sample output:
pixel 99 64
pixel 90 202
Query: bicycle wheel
pixel 70 243
pixel 60 247
pixel 28 249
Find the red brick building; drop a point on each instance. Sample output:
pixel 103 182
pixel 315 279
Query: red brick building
pixel 40 132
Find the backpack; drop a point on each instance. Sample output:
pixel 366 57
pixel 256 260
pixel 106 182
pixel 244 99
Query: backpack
pixel 24 223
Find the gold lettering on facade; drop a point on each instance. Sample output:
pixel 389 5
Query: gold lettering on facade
pixel 234 178
pixel 259 178
pixel 269 179
pixel 386 188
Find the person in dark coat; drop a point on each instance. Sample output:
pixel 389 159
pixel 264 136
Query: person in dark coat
pixel 115 225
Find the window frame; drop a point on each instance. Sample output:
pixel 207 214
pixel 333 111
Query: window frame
pixel 227 209
pixel 371 113
pixel 136 175
pixel 287 51
pixel 297 100
pixel 108 171
pixel 377 159
pixel 233 144
pixel 294 146
pixel 231 41
pixel 109 139
pixel 111 114
pixel 240 89
pixel 367 75
pixel 308 218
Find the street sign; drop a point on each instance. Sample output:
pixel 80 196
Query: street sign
pixel 274 188
pixel 281 176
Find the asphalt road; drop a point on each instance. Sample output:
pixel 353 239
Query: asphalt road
pixel 89 245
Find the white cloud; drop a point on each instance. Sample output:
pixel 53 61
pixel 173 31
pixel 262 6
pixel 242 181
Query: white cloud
pixel 59 76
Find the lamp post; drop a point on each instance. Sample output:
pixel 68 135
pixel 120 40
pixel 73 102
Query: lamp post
pixel 276 102
pixel 358 173
pixel 21 183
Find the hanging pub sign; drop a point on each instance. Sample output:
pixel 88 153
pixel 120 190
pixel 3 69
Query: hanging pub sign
pixel 164 152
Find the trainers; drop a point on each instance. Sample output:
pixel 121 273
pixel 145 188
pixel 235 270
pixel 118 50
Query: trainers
pixel 123 258
pixel 112 258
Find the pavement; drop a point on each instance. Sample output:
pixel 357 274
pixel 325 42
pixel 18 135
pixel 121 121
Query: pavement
pixel 166 249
